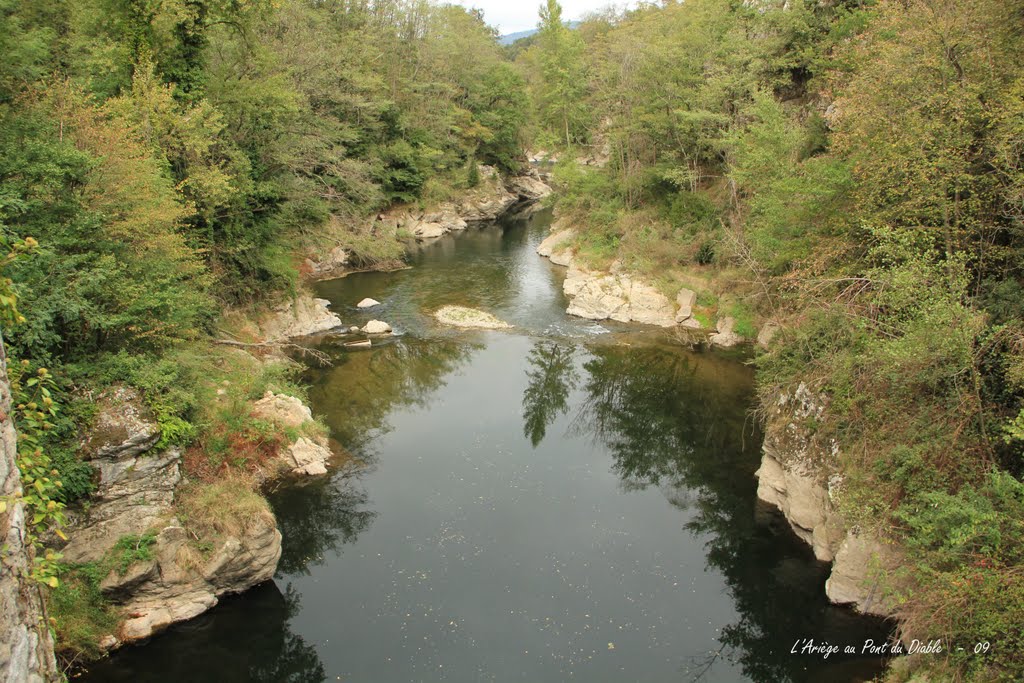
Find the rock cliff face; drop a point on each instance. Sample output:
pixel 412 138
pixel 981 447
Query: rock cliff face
pixel 137 484
pixel 619 296
pixel 799 475
pixel 26 648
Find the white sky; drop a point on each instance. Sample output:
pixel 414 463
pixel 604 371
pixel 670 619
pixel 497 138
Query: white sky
pixel 511 16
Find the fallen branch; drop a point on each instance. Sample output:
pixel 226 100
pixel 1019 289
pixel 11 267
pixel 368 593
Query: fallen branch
pixel 319 356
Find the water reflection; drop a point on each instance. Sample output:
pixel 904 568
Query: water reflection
pixel 321 517
pixel 552 375
pixel 361 389
pixel 247 639
pixel 680 422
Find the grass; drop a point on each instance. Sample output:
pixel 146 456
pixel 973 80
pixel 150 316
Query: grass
pixel 80 614
pixel 229 507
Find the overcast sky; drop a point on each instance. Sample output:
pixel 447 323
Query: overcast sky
pixel 511 16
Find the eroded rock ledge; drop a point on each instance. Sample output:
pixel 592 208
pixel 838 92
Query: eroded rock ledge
pixel 800 476
pixel 139 486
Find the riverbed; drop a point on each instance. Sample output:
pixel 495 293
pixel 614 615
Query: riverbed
pixel 562 501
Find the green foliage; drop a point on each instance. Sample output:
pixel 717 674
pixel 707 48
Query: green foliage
pixel 34 409
pixel 81 615
pixel 129 550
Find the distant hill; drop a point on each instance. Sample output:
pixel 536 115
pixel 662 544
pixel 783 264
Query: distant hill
pixel 513 37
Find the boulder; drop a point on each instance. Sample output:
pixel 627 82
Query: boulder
pixel 469 318
pixel 305 456
pixel 426 231
pixel 377 327
pixel 726 336
pixel 685 300
pixel 282 409
pixel 620 297
pixel 529 188
pixel 368 303
pixel 304 316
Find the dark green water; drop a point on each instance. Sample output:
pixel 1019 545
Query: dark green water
pixel 561 502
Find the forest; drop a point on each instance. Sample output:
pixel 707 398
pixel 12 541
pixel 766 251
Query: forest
pixel 849 171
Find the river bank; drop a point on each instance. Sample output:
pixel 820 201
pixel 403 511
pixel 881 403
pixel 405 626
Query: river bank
pixel 457 504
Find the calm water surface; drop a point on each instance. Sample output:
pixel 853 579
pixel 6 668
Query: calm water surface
pixel 562 502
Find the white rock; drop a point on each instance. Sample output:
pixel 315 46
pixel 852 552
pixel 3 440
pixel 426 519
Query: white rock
pixel 726 336
pixel 469 318
pixel 686 300
pixel 377 327
pixel 282 409
pixel 368 303
pixel 307 457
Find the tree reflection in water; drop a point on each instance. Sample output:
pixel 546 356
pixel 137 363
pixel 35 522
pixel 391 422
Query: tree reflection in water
pixel 681 421
pixel 552 375
pixel 247 637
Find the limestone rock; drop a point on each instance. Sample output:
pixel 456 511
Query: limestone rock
pixel 377 327
pixel 180 590
pixel 368 303
pixel 726 336
pixel 124 426
pixel 564 258
pixel 529 187
pixel 857 576
pixel 556 242
pixel 307 457
pixel 428 231
pixel 603 296
pixel 331 265
pixel 798 472
pixel 302 317
pixel 282 409
pixel 685 300
pixel 469 318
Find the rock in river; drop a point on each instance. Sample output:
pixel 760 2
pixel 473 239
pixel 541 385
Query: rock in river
pixel 469 318
pixel 368 303
pixel 377 327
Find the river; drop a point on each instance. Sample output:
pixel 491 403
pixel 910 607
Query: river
pixel 563 501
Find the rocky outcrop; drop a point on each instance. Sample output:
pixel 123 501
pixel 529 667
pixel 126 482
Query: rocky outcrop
pixel 26 647
pixel 800 476
pixel 307 455
pixel 725 334
pixel 558 243
pixel 303 316
pixel 333 264
pixel 135 485
pixel 616 296
pixel 858 572
pixel 798 470
pixel 490 200
pixel 469 318
pixel 177 585
pixel 282 409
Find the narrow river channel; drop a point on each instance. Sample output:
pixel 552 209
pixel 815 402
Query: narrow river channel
pixel 566 501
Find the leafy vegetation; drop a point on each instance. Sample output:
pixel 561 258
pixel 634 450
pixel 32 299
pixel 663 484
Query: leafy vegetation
pixel 852 170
